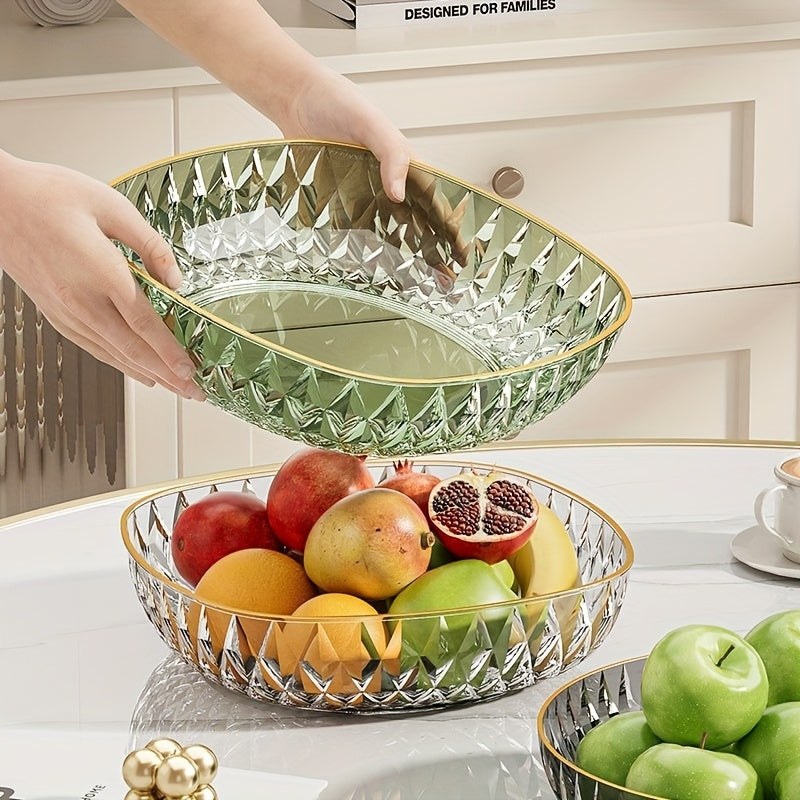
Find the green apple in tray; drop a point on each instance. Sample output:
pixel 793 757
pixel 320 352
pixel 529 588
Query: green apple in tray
pixel 703 686
pixel 787 781
pixel 772 746
pixel 609 750
pixel 714 716
pixel 674 770
pixel 777 640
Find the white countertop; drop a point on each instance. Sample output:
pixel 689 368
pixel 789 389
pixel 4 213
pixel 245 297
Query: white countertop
pixel 119 53
pixel 84 673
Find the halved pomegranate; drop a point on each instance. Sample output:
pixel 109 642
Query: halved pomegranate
pixel 482 516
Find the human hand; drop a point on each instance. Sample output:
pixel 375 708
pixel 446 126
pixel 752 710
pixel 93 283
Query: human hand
pixel 328 106
pixel 55 230
pixel 246 49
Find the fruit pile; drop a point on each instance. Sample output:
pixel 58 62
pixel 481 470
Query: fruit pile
pixel 720 718
pixel 328 542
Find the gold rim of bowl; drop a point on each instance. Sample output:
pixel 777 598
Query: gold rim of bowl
pixel 453 380
pixel 244 474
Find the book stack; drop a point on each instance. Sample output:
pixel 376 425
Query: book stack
pixel 393 13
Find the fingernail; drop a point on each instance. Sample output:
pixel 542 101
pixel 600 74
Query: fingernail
pixel 185 370
pixel 399 191
pixel 174 277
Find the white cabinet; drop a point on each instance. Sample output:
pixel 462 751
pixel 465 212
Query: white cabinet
pixel 650 160
pixel 103 134
pixel 669 152
pixel 653 162
pixel 720 365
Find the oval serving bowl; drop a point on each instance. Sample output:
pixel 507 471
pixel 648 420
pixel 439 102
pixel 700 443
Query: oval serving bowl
pixel 414 662
pixel 320 310
pixel 571 712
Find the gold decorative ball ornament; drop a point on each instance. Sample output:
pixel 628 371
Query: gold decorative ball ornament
pixel 206 763
pixel 176 776
pixel 164 747
pixel 205 793
pixel 134 795
pixel 139 770
pixel 164 770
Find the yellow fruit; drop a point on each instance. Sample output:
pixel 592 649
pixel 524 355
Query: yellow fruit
pixel 371 544
pixel 336 650
pixel 547 562
pixel 247 582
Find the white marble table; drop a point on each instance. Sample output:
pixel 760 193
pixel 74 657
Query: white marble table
pixel 85 678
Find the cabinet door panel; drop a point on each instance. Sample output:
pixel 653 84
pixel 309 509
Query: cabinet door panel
pixel 213 440
pixel 103 135
pixel 209 116
pixel 712 365
pixel 652 160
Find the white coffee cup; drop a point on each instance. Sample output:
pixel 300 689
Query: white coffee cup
pixel 786 500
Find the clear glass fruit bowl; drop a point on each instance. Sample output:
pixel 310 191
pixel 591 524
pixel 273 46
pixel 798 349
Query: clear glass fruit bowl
pixel 320 310
pixel 571 712
pixel 397 663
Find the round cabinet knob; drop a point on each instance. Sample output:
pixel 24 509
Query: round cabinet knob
pixel 508 182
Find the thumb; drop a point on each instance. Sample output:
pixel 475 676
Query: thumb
pixel 124 223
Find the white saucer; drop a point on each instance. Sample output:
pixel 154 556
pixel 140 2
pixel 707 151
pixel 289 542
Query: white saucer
pixel 759 550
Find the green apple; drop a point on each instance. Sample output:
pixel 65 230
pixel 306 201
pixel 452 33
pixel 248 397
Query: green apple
pixel 608 750
pixel 773 744
pixel 703 686
pixel 777 640
pixel 441 555
pixel 678 772
pixel 505 573
pixel 787 781
pixel 448 636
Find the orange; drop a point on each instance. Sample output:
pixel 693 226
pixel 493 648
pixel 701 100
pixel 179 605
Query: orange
pixel 337 650
pixel 251 583
pixel 255 581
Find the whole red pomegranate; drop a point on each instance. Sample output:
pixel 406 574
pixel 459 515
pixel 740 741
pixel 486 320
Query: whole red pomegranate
pixel 413 483
pixel 216 525
pixel 308 483
pixel 482 516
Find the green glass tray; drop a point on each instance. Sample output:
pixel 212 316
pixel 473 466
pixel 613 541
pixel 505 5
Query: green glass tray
pixel 318 309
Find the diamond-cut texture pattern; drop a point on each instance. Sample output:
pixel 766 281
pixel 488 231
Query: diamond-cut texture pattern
pixel 429 662
pixel 488 755
pixel 572 713
pixel 315 213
